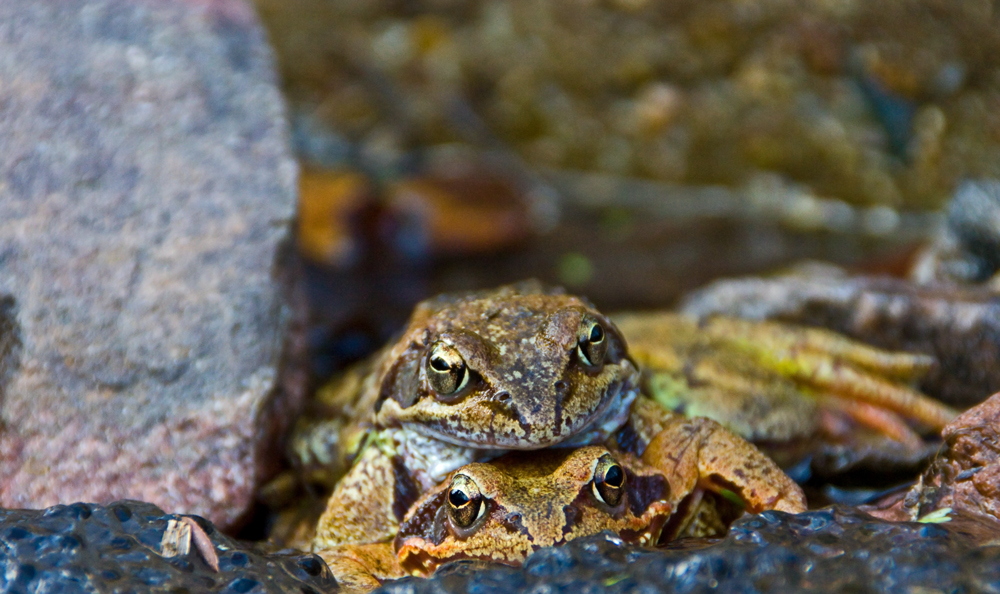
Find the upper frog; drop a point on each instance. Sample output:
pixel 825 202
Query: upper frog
pixel 517 368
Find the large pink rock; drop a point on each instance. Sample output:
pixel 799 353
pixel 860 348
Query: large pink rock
pixel 146 189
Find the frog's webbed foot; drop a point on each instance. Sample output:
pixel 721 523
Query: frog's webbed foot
pixel 700 453
pixel 362 568
pixel 775 376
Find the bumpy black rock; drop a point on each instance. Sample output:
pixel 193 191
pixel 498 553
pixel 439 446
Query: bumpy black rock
pixel 115 549
pixel 831 550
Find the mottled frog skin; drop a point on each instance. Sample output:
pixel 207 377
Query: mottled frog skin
pixel 524 501
pixel 504 510
pixel 518 377
pixel 517 368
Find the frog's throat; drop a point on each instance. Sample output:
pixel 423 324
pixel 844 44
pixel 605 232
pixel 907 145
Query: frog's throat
pixel 604 422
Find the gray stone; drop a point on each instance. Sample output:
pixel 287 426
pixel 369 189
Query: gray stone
pixel 146 190
pixel 966 250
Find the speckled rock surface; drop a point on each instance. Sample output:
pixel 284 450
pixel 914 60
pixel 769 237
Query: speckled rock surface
pixel 117 548
pixel 91 548
pixel 959 326
pixel 830 550
pixel 146 190
pixel 963 481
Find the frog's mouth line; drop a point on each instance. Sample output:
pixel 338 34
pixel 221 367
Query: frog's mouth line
pixel 419 563
pixel 603 422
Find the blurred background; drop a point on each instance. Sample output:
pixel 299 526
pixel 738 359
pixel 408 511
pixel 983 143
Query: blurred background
pixel 628 150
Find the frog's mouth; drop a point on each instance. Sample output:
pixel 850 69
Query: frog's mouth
pixel 415 561
pixel 604 421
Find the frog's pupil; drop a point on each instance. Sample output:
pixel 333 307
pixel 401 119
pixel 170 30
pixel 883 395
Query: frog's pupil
pixel 596 333
pixel 439 364
pixel 458 498
pixel 614 476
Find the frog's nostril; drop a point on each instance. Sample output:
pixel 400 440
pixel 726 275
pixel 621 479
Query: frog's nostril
pixel 503 396
pixel 514 518
pixel 561 386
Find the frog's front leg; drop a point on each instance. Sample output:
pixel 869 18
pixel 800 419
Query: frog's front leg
pixel 367 504
pixel 699 452
pixel 362 568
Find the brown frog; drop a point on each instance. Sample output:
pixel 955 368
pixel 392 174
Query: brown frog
pixel 517 368
pixel 504 510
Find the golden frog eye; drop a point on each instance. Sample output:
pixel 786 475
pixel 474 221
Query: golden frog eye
pixel 592 343
pixel 446 370
pixel 465 502
pixel 609 481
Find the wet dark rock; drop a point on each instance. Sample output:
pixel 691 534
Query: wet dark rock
pixel 146 189
pixel 116 548
pixel 959 326
pixel 830 550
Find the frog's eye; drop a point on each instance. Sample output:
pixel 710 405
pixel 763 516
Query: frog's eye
pixel 465 502
pixel 592 343
pixel 609 481
pixel 446 370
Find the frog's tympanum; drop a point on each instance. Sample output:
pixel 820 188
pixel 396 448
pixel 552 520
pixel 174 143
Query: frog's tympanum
pixel 517 368
pixel 502 511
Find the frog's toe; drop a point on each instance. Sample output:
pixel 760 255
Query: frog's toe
pixel 874 417
pixel 833 376
pixel 854 374
pixel 786 342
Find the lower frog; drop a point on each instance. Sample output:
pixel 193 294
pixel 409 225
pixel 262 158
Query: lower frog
pixel 504 510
